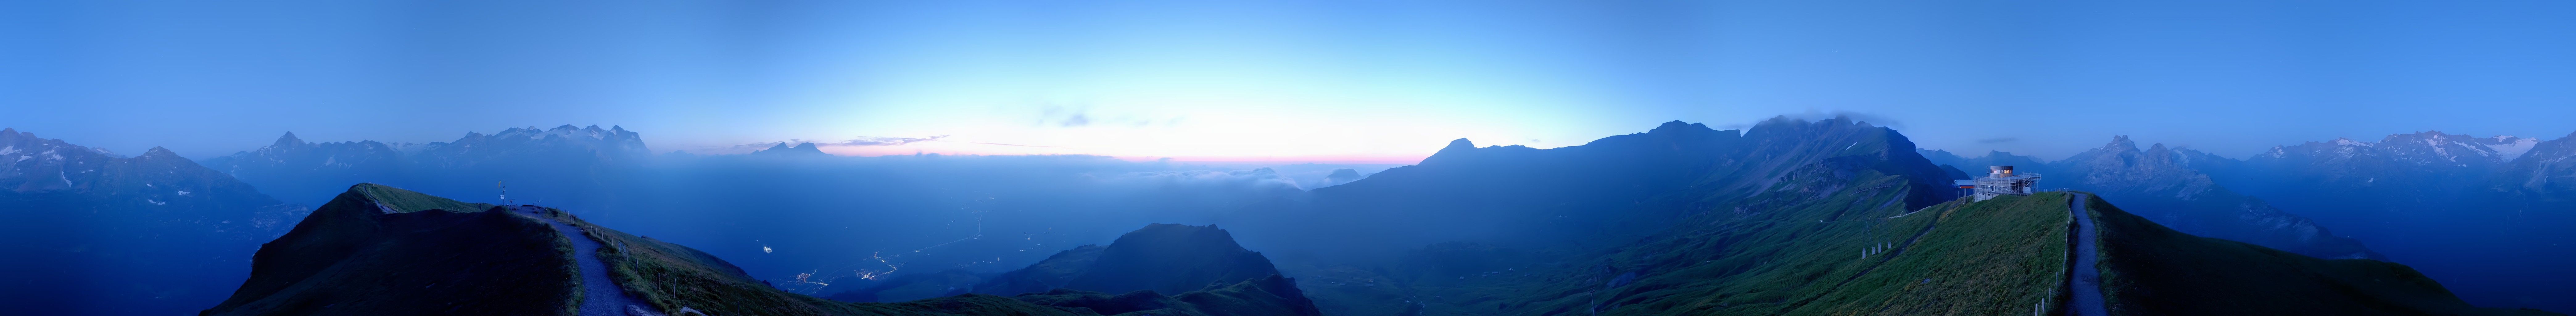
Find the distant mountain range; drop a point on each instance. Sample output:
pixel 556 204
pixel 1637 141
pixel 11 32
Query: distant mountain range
pixel 800 150
pixel 572 164
pixel 2489 213
pixel 93 232
pixel 2163 184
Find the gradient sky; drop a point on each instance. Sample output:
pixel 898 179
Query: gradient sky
pixel 1293 80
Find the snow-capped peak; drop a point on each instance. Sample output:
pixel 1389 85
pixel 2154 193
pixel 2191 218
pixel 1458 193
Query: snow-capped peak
pixel 2349 142
pixel 2508 147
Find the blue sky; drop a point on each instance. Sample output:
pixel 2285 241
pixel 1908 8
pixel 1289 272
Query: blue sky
pixel 1295 80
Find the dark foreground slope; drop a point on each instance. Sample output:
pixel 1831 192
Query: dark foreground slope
pixel 2151 270
pixel 2173 187
pixel 377 250
pixel 2006 256
pixel 1165 258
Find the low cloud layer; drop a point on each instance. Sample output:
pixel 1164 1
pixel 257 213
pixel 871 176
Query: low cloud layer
pixel 1814 115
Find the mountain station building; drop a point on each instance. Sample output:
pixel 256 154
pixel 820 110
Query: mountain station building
pixel 1999 180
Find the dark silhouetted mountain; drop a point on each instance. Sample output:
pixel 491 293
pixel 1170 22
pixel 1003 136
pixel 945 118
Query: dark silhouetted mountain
pixel 2149 269
pixel 149 234
pixel 565 164
pixel 1619 185
pixel 1172 258
pixel 1164 258
pixel 377 250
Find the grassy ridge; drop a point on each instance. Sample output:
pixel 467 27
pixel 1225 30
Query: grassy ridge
pixel 2148 269
pixel 671 276
pixel 1794 249
pixel 1996 257
pixel 406 201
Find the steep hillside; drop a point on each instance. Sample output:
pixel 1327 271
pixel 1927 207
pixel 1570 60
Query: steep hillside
pixel 2546 175
pixel 2480 213
pixel 2164 186
pixel 1725 226
pixel 1611 189
pixel 2148 269
pixel 94 233
pixel 377 250
pixel 1851 252
pixel 2174 187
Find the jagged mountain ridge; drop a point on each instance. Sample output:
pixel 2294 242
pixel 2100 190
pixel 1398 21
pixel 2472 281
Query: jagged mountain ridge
pixel 2547 177
pixel 800 150
pixel 148 229
pixel 2168 186
pixel 2444 203
pixel 2422 167
pixel 1618 185
pixel 573 165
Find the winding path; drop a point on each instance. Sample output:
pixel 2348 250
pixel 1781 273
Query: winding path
pixel 600 295
pixel 2087 282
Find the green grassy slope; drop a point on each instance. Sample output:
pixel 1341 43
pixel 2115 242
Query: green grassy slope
pixel 1995 257
pixel 350 257
pixel 405 201
pixel 1776 226
pixel 1802 258
pixel 2148 269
